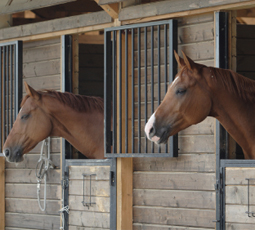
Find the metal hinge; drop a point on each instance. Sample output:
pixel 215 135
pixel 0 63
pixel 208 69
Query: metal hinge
pixel 65 183
pixel 112 178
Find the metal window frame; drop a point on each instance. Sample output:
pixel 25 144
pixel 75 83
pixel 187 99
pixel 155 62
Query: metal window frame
pixel 14 84
pixel 221 53
pixel 110 74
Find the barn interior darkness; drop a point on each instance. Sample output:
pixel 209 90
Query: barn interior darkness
pixel 245 57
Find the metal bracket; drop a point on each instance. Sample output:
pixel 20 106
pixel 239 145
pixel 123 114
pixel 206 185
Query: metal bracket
pixel 88 204
pixel 112 178
pixel 65 183
pixel 250 214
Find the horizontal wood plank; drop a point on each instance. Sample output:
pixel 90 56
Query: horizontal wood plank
pixel 29 221
pixel 44 68
pixel 177 181
pixel 29 191
pixel 88 219
pixel 236 226
pixel 84 20
pixel 9 7
pixel 238 195
pixel 21 206
pixel 168 7
pixel 30 161
pixel 28 176
pixel 102 172
pixel 173 216
pixel 237 176
pixel 138 226
pixel 174 198
pixel 234 211
pixel 102 204
pixel 42 42
pixel 184 162
pixel 41 53
pixel 98 188
pixel 46 82
pixel 196 19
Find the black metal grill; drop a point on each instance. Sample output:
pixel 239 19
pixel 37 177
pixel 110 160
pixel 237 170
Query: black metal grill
pixel 10 85
pixel 139 65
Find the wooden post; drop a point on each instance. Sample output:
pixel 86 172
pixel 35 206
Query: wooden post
pixel 2 193
pixel 124 165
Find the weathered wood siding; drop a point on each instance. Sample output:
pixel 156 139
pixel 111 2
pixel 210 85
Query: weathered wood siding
pixel 41 67
pixel 237 198
pixel 96 216
pixel 177 193
pixel 245 50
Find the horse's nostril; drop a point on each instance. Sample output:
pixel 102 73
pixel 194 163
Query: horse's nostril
pixel 152 132
pixel 7 152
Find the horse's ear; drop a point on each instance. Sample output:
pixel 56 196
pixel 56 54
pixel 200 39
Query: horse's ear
pixel 179 60
pixel 188 62
pixel 31 92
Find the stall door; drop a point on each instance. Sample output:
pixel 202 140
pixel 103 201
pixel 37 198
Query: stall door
pixel 238 194
pixel 91 194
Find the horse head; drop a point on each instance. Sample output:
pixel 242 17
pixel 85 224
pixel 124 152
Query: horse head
pixel 31 126
pixel 186 102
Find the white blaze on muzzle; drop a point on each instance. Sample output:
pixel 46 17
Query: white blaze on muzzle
pixel 148 127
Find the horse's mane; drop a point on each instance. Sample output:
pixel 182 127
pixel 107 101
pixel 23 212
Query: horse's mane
pixel 79 103
pixel 235 83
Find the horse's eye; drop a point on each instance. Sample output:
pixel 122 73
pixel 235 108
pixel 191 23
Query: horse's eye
pixel 181 91
pixel 24 117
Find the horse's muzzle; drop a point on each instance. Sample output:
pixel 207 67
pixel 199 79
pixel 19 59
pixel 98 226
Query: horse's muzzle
pixel 13 155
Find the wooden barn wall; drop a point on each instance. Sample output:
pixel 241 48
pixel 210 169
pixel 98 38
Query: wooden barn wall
pixel 245 50
pixel 41 68
pixel 178 193
pixel 91 70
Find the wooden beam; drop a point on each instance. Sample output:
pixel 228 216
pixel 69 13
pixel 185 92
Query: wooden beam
pixel 246 13
pixel 2 193
pixel 176 8
pixel 124 193
pixel 9 6
pixel 56 27
pixel 107 2
pixel 124 165
pixel 91 39
pixel 111 9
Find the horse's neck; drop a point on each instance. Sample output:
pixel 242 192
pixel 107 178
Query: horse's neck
pixel 237 117
pixel 84 130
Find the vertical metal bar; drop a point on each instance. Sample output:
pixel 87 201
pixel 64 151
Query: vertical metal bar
pixel 107 92
pixel 165 67
pixel 132 90
pixel 4 96
pixel 18 76
pixel 126 91
pixel 221 53
pixel 145 83
pixel 120 94
pixel 7 91
pixel 152 78
pixel 11 88
pixel 139 87
pixel 159 80
pixel 173 141
pixel 90 189
pixel 114 96
pixel 1 109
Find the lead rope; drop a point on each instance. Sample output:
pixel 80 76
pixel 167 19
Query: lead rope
pixel 44 161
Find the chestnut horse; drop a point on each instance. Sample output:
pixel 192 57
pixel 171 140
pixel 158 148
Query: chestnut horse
pixel 199 91
pixel 78 119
